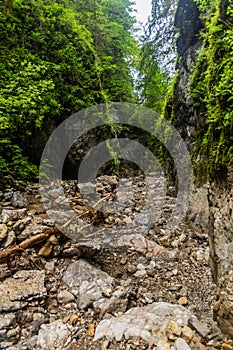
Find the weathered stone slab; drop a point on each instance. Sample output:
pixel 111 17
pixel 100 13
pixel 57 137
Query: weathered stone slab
pixel 21 289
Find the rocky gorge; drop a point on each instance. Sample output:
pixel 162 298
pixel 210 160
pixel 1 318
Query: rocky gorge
pixel 137 283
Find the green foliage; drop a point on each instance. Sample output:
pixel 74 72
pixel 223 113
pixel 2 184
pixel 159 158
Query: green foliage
pixel 156 61
pixel 55 59
pixel 212 87
pixel 163 34
pixel 14 163
pixel 153 82
pixel 111 27
pixel 156 66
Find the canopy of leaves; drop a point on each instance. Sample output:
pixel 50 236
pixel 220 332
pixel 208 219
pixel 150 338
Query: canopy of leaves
pixel 156 63
pixel 57 57
pixel 153 83
pixel 163 34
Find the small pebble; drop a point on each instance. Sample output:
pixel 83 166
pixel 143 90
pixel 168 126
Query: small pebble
pixel 183 301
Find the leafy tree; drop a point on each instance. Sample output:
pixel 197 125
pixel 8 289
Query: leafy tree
pixel 112 27
pixel 156 63
pixel 153 82
pixel 162 33
pixel 55 59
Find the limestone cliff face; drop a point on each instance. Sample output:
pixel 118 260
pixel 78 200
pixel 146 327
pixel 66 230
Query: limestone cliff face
pixel 187 20
pixel 221 248
pixel 187 121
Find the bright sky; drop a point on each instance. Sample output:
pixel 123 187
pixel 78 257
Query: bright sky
pixel 143 8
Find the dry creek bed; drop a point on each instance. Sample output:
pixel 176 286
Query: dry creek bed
pixel 150 289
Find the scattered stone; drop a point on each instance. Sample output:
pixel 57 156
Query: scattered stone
pixel 148 322
pixel 180 344
pixel 20 225
pixel 87 282
pixel 8 195
pixel 187 333
pixel 87 188
pixel 144 272
pixel 199 327
pixel 7 320
pixel 11 238
pixel 18 200
pixel 13 334
pixel 65 297
pixel 183 301
pixel 50 266
pixel 31 230
pixel 3 231
pixel 140 273
pixel 173 330
pixel 54 336
pixel 12 215
pixel 70 252
pixel 140 244
pixel 115 305
pixel 163 345
pixel 141 267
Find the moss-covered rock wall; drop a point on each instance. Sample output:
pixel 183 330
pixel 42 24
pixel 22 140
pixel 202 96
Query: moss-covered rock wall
pixel 201 108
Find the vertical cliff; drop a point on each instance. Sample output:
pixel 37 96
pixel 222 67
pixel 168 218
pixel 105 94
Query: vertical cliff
pixel 221 248
pixel 201 110
pixel 181 108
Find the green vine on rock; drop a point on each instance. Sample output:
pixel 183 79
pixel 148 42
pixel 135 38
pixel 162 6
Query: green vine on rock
pixel 212 87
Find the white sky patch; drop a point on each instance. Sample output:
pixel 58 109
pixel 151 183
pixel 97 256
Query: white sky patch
pixel 143 8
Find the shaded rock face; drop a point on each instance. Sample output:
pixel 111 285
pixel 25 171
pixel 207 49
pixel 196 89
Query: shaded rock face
pixel 185 118
pixel 219 204
pixel 87 142
pixel 188 21
pixel 221 249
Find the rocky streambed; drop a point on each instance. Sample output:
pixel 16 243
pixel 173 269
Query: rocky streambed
pixel 148 286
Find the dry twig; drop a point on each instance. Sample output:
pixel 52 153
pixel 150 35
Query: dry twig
pixel 16 249
pixel 19 248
